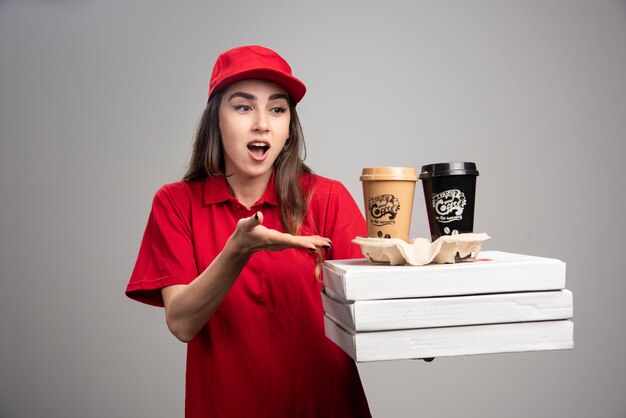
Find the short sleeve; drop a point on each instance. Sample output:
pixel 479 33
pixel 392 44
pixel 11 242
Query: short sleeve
pixel 166 255
pixel 343 221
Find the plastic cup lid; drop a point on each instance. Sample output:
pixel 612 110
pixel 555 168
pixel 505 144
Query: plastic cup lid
pixel 448 169
pixel 389 173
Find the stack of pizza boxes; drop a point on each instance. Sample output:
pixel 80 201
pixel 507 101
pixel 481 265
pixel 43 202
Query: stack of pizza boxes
pixel 500 302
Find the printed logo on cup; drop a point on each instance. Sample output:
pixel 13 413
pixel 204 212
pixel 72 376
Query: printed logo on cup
pixel 449 205
pixel 384 209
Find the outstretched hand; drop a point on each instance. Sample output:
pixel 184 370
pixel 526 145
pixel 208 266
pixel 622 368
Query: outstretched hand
pixel 251 236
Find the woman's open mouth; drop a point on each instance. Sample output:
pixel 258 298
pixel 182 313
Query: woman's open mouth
pixel 258 150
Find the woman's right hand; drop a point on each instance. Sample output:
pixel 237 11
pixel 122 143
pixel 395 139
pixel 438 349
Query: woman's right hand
pixel 189 306
pixel 251 236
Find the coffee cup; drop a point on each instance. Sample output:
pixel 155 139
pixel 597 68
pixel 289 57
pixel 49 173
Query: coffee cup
pixel 388 193
pixel 449 192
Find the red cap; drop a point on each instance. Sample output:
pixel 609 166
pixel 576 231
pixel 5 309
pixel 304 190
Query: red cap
pixel 254 61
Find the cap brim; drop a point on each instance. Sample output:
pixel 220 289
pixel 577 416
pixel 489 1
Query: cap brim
pixel 294 87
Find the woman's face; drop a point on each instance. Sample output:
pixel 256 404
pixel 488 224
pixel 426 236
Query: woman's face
pixel 254 122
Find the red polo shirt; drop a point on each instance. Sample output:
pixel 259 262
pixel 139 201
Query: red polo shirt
pixel 264 352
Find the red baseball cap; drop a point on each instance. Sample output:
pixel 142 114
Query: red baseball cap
pixel 254 61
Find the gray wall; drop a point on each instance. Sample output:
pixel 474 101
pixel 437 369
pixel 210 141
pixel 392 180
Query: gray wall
pixel 98 106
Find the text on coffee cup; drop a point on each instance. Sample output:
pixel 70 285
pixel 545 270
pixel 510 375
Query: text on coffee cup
pixel 449 205
pixel 383 209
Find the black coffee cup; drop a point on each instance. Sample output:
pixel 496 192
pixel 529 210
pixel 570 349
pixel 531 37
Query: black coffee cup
pixel 449 192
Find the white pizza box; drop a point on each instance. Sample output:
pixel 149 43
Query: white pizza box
pixel 492 272
pixel 451 341
pixel 389 314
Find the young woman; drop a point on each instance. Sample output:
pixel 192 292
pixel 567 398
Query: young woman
pixel 233 253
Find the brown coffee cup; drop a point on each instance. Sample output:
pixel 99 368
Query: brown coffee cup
pixel 388 193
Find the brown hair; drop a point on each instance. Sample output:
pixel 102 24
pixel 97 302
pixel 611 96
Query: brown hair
pixel 207 160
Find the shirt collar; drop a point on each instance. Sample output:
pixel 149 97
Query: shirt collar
pixel 216 190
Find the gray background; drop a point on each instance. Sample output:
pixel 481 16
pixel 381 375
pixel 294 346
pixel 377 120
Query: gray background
pixel 98 105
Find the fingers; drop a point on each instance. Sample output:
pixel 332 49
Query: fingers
pixel 315 241
pixel 324 242
pixel 281 240
pixel 249 223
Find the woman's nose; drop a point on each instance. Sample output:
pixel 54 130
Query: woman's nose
pixel 260 122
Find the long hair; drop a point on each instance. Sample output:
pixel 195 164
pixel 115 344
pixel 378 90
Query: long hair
pixel 207 160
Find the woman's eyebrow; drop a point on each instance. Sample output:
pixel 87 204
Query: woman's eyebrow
pixel 247 96
pixel 277 96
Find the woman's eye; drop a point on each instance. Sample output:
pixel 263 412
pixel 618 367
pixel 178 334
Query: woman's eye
pixel 278 109
pixel 243 108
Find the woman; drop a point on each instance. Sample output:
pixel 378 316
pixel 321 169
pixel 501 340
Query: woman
pixel 233 254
